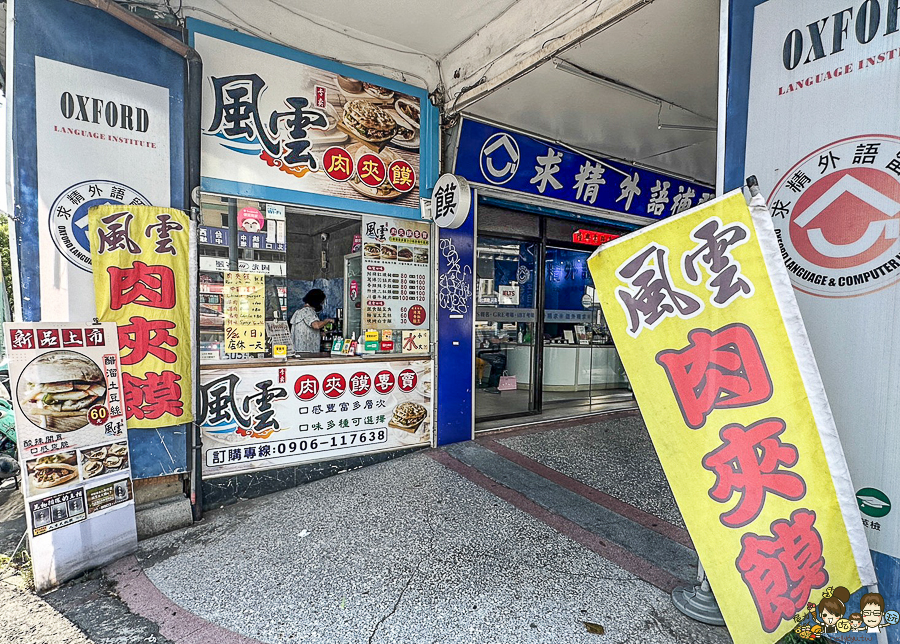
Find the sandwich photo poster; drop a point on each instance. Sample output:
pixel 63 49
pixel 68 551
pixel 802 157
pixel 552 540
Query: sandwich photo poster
pixel 266 417
pixel 66 387
pixel 275 119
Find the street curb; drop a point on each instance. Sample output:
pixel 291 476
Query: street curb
pixel 176 624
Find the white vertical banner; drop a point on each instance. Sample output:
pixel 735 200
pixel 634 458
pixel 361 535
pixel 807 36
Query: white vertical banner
pixel 101 139
pixel 823 139
pixel 66 386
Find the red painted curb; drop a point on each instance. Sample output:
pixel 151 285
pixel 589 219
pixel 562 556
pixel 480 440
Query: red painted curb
pixel 645 519
pixel 143 598
pixel 639 567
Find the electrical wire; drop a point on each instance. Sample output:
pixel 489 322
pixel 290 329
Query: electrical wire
pixel 248 27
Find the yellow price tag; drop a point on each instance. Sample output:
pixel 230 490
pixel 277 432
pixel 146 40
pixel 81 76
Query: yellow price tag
pixel 279 350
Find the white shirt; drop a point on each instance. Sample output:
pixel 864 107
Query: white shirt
pixel 306 339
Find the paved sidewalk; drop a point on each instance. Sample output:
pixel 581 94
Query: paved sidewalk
pixel 513 538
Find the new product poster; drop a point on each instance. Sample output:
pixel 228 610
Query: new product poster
pixel 396 272
pixel 66 385
pixel 274 416
pixel 705 323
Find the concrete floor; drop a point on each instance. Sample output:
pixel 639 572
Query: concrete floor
pixel 432 548
pixel 525 536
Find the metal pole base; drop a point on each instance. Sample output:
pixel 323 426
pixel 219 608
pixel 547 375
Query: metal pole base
pixel 698 603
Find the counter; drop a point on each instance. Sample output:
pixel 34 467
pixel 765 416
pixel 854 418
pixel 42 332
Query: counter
pixel 313 359
pixel 567 367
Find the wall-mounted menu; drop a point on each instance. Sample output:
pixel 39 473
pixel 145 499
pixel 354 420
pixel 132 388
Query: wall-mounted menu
pixel 396 285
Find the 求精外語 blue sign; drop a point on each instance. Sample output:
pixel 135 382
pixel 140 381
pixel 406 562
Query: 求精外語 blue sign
pixel 505 160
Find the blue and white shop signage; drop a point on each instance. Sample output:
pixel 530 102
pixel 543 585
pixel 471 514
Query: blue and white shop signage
pixel 508 161
pixel 454 208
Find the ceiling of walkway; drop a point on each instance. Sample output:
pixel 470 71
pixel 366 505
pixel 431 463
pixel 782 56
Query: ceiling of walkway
pixel 668 49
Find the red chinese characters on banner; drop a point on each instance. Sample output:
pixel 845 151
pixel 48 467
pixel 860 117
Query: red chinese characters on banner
pixel 749 464
pixel 781 571
pixel 152 286
pixel 717 370
pixel 142 337
pixel 725 369
pixel 153 396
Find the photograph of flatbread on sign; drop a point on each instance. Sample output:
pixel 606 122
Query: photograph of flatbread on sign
pixel 56 390
pixel 53 470
pixel 104 459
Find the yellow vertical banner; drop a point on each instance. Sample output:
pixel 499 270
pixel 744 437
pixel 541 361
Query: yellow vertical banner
pixel 245 312
pixel 140 257
pixel 703 316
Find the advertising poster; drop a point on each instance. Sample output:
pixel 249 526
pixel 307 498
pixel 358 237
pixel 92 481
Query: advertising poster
pixel 120 136
pixel 269 417
pixel 67 391
pixel 142 282
pixel 245 312
pixel 396 273
pixel 813 89
pixel 284 125
pixel 736 411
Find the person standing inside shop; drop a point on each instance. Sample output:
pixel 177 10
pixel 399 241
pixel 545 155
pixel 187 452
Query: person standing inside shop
pixel 306 327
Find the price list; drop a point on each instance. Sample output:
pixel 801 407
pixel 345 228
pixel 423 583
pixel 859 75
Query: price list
pixel 395 273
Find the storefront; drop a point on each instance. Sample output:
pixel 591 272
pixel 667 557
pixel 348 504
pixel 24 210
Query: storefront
pixel 315 264
pixel 541 342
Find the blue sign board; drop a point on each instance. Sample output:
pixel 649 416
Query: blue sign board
pixel 219 237
pixel 510 161
pixel 456 320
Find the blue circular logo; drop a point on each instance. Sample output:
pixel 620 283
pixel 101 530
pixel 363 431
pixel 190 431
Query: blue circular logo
pixel 69 216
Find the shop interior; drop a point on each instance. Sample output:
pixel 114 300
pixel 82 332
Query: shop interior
pixel 542 346
pixel 296 251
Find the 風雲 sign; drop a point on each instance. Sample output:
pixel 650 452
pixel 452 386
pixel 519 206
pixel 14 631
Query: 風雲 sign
pixel 736 410
pixel 268 417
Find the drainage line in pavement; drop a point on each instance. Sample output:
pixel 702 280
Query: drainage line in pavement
pixel 610 551
pixel 645 519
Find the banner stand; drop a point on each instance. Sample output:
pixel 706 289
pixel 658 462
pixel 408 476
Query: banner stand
pixel 698 602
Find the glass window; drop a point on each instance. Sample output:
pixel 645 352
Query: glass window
pixel 281 255
pixel 287 276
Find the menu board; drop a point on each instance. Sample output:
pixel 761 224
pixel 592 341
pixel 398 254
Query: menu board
pixel 396 285
pixel 66 386
pixel 245 312
pixel 265 417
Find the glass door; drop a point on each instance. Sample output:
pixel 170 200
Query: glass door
pixel 581 367
pixel 506 296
